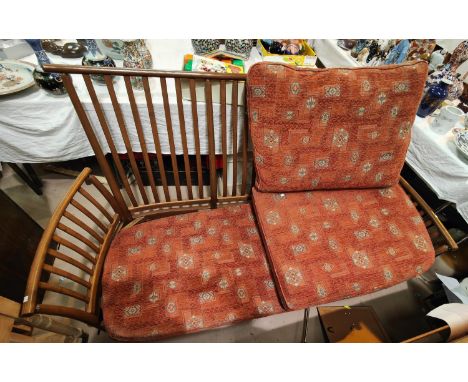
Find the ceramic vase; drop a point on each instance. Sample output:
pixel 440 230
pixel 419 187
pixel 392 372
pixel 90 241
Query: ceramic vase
pixel 204 46
pixel 136 56
pixel 50 82
pixel 241 48
pixel 433 98
pixel 94 57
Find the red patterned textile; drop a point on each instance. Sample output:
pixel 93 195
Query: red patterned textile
pixel 186 273
pixel 331 128
pixel 325 246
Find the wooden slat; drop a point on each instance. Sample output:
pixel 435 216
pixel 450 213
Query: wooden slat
pixel 124 134
pixel 109 139
pixel 83 225
pixel 104 191
pixel 170 135
pixel 93 306
pixel 222 91
pixel 66 291
pixel 211 144
pixel 69 260
pixel 427 209
pixel 183 135
pixel 96 204
pixel 154 130
pixel 245 144
pixel 234 113
pixel 35 273
pixel 108 173
pixel 63 311
pixel 68 275
pixel 89 214
pixel 193 97
pixel 74 247
pixel 141 137
pixel 78 236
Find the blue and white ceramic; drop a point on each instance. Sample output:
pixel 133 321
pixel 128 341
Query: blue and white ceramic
pixel 399 53
pixel 50 82
pixel 461 141
pixel 94 57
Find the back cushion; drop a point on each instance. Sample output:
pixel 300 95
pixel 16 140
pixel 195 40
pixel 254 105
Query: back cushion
pixel 331 128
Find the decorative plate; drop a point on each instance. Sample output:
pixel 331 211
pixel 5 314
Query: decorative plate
pixel 15 76
pixel 111 48
pixel 461 141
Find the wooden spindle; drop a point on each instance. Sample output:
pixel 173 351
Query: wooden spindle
pixel 141 137
pixel 68 275
pixel 183 135
pixel 66 291
pixel 196 134
pixel 66 243
pixel 234 135
pixel 170 135
pixel 96 147
pixel 245 146
pixel 69 260
pixel 222 96
pixel 154 130
pixel 80 223
pixel 95 203
pixel 109 139
pixel 78 236
pixel 88 213
pixel 124 134
pixel 211 144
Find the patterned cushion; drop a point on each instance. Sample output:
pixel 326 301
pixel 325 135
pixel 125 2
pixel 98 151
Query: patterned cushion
pixel 329 245
pixel 331 128
pixel 185 273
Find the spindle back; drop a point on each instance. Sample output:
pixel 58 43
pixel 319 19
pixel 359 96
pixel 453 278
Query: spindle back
pixel 180 141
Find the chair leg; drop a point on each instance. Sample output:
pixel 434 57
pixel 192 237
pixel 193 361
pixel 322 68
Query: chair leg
pixel 305 325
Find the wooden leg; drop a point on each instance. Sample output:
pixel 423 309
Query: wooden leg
pixel 30 182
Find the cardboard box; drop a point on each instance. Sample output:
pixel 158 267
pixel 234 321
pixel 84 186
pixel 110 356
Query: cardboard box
pixel 309 58
pixel 351 324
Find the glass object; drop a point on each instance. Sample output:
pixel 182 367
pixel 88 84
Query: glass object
pixel 50 82
pixel 433 98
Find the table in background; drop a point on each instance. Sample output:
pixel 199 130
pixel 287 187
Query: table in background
pixel 36 127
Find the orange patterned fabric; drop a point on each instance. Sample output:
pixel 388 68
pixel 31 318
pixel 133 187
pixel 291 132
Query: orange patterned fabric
pixel 326 246
pixel 186 273
pixel 331 128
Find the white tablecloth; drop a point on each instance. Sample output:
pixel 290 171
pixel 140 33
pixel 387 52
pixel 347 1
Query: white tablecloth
pixel 38 127
pixel 332 56
pixel 435 158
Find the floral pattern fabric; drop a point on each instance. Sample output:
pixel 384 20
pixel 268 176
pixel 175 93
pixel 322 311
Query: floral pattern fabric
pixel 186 273
pixel 331 128
pixel 325 246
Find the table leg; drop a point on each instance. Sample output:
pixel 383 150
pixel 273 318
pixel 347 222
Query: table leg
pixel 34 184
pixel 305 325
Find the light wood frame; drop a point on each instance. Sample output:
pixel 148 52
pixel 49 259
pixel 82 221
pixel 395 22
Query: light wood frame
pixel 126 210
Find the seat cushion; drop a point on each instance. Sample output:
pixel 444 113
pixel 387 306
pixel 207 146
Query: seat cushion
pixel 331 128
pixel 326 246
pixel 185 273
